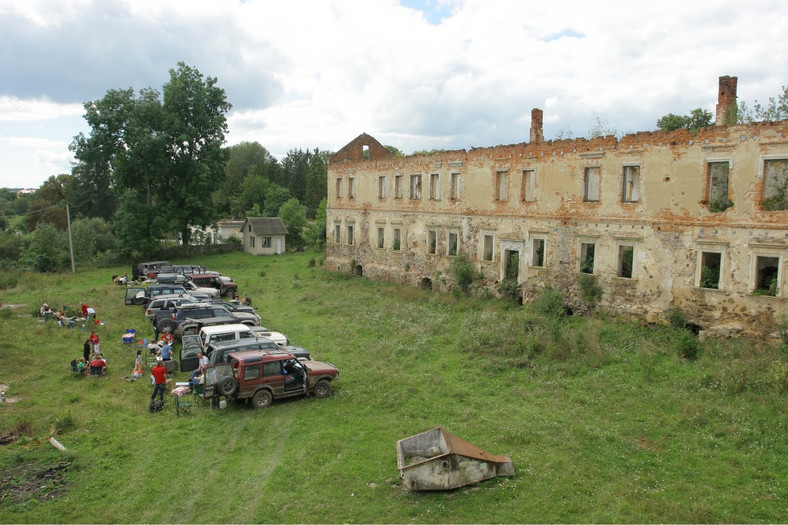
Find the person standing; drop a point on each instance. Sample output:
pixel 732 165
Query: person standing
pixel 94 340
pixel 159 374
pixel 86 349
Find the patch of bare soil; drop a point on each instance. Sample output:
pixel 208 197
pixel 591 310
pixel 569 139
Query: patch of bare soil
pixel 30 481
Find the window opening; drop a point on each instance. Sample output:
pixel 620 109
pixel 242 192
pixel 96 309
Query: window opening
pixel 432 241
pixel 631 183
pixel 587 257
pixel 266 242
pixel 339 188
pixel 591 185
pixel 453 243
pixel 337 234
pixel 487 249
pixel 350 235
pixel 435 187
pixel 381 237
pixel 365 151
pixel 502 185
pixel 538 253
pixel 718 186
pixel 626 259
pixel 775 185
pixel 456 186
pixel 767 271
pixel 415 186
pixel 351 187
pixel 529 185
pixel 396 241
pixel 382 187
pixel 398 187
pixel 710 266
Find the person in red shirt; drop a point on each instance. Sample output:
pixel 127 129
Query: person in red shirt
pixel 94 340
pixel 83 309
pixel 98 366
pixel 159 374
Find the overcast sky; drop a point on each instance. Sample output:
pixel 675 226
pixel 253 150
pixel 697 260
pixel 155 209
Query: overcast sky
pixel 415 74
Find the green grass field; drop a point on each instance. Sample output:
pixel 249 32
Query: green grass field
pixel 603 419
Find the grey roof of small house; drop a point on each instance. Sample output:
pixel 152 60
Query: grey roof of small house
pixel 266 225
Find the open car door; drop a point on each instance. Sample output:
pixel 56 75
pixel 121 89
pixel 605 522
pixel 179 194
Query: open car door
pixel 131 295
pixel 190 347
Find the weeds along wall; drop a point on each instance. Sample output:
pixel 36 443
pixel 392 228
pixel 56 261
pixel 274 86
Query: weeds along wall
pixel 697 222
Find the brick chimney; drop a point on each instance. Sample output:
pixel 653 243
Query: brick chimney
pixel 537 135
pixel 726 101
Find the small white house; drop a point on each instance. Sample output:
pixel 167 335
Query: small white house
pixel 218 233
pixel 264 235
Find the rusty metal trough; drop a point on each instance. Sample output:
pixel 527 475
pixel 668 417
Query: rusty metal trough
pixel 439 460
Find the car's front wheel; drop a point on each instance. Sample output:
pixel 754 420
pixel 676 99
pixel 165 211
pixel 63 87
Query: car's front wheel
pixel 262 399
pixel 323 388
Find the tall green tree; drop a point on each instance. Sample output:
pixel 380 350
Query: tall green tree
pixel 165 150
pixel 274 198
pixel 696 119
pixel 245 160
pixel 293 215
pixel 195 125
pixel 774 110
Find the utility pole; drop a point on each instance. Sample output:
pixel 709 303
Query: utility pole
pixel 70 242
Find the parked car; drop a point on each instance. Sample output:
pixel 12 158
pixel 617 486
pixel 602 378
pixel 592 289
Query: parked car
pixel 226 288
pixel 194 289
pixel 277 337
pixel 183 269
pixel 191 318
pixel 146 269
pixel 262 376
pixel 171 278
pixel 167 303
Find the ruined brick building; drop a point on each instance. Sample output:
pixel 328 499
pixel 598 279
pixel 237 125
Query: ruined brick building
pixel 661 220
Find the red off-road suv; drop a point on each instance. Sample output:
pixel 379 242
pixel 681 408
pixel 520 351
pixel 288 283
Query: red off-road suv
pixel 264 375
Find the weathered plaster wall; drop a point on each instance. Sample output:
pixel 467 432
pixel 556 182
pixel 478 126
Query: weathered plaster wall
pixel 670 224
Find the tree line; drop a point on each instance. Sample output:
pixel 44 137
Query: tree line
pixel 152 167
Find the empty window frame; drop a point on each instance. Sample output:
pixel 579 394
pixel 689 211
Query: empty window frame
pixel 488 241
pixel 396 241
pixel 435 187
pixel 338 188
pixel 266 242
pixel 529 185
pixel 381 237
pixel 251 242
pixel 337 234
pixel 537 252
pixel 351 187
pixel 501 186
pixel 398 187
pixel 625 260
pixel 365 152
pixel 630 190
pixel 775 185
pixel 767 275
pixel 456 186
pixel 453 244
pixel 511 271
pixel 710 275
pixel 717 179
pixel 591 185
pixel 350 230
pixel 587 252
pixel 432 241
pixel 415 186
pixel 382 187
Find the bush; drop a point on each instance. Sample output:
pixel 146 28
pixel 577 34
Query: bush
pixel 675 317
pixel 590 290
pixel 687 345
pixel 549 303
pixel 464 273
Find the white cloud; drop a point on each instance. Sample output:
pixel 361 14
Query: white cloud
pixel 435 74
